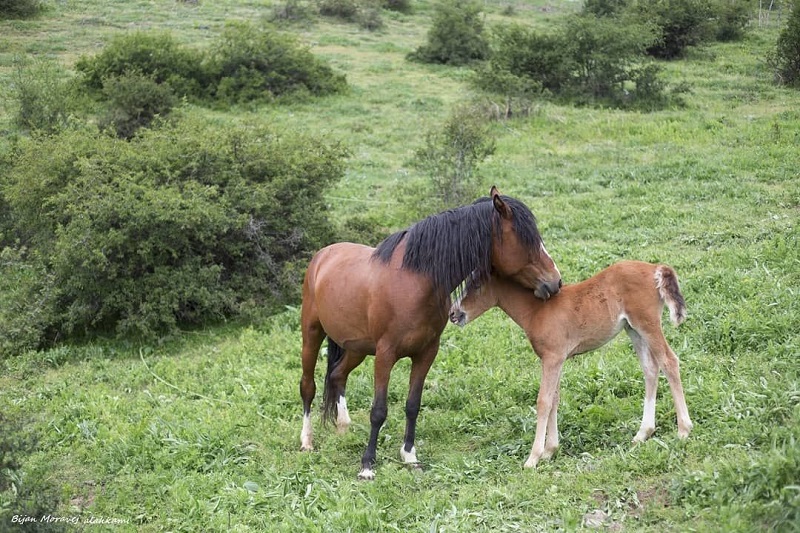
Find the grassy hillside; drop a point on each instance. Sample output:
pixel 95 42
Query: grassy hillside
pixel 201 431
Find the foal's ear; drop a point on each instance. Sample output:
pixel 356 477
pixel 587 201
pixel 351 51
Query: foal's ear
pixel 499 204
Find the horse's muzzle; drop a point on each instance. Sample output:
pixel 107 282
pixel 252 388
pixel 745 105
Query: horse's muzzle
pixel 546 289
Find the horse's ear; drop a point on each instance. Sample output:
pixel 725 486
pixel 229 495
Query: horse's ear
pixel 499 204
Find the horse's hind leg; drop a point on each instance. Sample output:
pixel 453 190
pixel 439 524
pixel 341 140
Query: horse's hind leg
pixel 313 335
pixel 650 370
pixel 338 382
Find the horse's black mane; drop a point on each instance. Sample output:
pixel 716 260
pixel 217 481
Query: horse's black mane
pixel 452 245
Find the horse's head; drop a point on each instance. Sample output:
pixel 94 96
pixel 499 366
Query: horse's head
pixel 519 254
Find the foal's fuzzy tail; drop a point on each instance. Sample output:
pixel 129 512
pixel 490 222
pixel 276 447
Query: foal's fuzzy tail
pixel 329 399
pixel 670 292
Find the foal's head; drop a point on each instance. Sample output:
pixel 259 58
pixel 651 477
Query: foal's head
pixel 474 300
pixel 519 253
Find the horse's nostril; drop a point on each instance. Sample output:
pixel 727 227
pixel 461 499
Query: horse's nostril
pixel 560 283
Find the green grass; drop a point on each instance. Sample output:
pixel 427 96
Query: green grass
pixel 201 431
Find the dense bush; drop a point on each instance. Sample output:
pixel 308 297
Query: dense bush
pixel 246 63
pixel 134 100
pixel 250 63
pixel 730 19
pixel 401 6
pixel 343 9
pixel 292 11
pixel 681 23
pixel 153 54
pixel 18 9
pixel 456 36
pixel 587 60
pixel 785 58
pixel 185 223
pixel 45 98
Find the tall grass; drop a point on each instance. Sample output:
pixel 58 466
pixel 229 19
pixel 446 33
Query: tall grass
pixel 201 431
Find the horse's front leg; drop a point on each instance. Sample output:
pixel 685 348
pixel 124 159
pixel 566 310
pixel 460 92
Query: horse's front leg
pixel 384 362
pixel 551 373
pixel 420 365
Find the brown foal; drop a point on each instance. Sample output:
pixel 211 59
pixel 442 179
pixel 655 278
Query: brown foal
pixel 583 317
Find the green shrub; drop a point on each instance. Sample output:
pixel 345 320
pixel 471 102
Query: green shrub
pixel 343 9
pixel 785 58
pixel 369 18
pixel 603 54
pixel 44 95
pixel 401 6
pixel 292 11
pixel 683 23
pixel 19 9
pixel 134 100
pixel 249 63
pixel 153 54
pixel 587 60
pixel 185 223
pixel 731 17
pixel 456 36
pixel 451 155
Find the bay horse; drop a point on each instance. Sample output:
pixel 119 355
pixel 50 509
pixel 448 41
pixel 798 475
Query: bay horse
pixel 583 317
pixel 393 301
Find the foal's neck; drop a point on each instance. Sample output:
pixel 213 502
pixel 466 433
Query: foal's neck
pixel 518 302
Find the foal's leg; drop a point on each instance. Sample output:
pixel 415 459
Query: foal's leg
pixel 669 364
pixel 384 362
pixel 548 389
pixel 338 382
pixel 420 365
pixel 650 369
pixel 313 335
pixel 672 370
pixel 551 439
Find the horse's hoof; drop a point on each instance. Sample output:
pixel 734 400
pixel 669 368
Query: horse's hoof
pixel 306 448
pixel 408 457
pixel 366 474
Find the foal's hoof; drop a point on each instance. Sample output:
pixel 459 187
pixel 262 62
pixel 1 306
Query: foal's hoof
pixel 306 448
pixel 531 462
pixel 366 474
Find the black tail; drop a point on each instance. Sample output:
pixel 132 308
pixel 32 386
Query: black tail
pixel 329 397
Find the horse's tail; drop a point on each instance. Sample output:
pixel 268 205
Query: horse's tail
pixel 329 399
pixel 670 293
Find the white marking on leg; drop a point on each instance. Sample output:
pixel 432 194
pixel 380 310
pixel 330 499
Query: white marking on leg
pixel 342 417
pixel 306 435
pixel 366 474
pixel 408 457
pixel 648 425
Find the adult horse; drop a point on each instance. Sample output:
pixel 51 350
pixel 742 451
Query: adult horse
pixel 393 301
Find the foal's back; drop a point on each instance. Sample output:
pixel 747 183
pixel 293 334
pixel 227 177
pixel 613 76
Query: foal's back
pixel 586 315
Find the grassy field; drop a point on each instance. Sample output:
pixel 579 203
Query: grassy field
pixel 200 432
